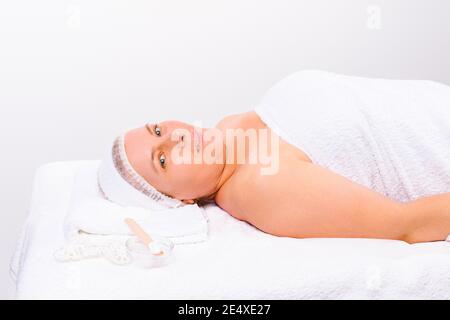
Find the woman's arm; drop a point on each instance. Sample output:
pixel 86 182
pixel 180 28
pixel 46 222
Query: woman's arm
pixel 306 200
pixel 430 218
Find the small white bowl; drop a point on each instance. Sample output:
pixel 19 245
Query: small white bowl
pixel 142 256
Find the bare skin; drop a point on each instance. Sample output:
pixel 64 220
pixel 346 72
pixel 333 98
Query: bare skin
pixel 302 200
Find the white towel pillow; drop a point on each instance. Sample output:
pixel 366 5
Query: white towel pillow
pixel 91 213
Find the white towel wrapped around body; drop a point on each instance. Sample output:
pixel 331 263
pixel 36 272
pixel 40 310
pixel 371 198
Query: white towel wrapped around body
pixel 91 213
pixel 392 136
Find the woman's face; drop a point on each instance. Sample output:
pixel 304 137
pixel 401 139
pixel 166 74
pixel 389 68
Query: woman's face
pixel 167 156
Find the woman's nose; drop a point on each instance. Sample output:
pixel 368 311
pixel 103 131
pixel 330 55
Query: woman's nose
pixel 173 139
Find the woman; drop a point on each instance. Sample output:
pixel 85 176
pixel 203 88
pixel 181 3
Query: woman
pixel 350 157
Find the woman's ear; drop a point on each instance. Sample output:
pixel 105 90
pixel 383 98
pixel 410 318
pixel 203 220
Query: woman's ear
pixel 188 201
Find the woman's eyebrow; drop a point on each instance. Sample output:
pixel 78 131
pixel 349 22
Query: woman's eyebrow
pixel 149 129
pixel 153 162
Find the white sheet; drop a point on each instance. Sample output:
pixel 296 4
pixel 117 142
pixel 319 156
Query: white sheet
pixel 237 261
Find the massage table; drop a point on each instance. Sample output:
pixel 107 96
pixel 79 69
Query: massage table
pixel 236 262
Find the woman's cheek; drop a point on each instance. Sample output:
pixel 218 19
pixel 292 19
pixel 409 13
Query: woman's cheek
pixel 182 172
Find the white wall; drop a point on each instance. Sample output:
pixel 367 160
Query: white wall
pixel 74 73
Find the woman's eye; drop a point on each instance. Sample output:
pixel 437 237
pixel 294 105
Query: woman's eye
pixel 157 131
pixel 162 160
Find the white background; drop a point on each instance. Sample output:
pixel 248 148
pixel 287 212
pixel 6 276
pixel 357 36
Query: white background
pixel 73 73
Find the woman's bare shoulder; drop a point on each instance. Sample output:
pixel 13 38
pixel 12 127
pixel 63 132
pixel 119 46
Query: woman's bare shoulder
pixel 239 193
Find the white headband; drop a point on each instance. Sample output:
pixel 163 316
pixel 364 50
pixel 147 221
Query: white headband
pixel 120 183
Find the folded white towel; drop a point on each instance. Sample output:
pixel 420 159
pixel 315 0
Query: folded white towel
pixel 91 213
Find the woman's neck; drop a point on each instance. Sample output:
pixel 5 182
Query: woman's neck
pixel 243 121
pixel 229 167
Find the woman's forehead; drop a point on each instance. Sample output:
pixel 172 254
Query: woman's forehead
pixel 138 146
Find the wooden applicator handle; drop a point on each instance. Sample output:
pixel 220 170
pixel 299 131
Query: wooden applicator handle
pixel 143 236
pixel 138 231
